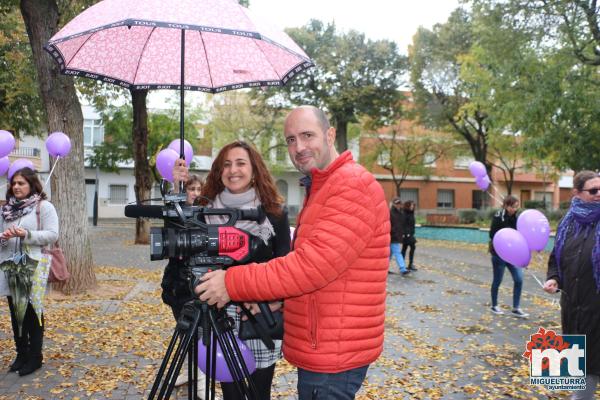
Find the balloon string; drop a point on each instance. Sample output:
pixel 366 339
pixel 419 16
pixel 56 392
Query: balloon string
pixel 51 171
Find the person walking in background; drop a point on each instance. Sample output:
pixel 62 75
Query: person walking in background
pixel 239 179
pixel 506 217
pixel 29 223
pixel 396 234
pixel 574 268
pixel 408 234
pixel 334 281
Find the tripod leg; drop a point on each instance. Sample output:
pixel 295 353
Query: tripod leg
pixel 163 365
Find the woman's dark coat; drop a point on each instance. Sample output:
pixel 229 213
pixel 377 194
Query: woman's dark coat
pixel 580 301
pixel 501 220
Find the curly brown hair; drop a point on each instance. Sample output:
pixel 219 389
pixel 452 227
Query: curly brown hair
pixel 35 186
pixel 263 182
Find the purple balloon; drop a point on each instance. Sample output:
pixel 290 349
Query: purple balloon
pixel 477 169
pixel 4 165
pixel 222 373
pixel 18 164
pixel 165 161
pixel 7 143
pixel 534 226
pixel 483 182
pixel 512 247
pixel 188 151
pixel 58 144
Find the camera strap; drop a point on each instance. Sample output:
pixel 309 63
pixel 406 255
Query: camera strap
pixel 260 330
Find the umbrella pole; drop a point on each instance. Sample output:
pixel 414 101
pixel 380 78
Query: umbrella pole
pixel 182 104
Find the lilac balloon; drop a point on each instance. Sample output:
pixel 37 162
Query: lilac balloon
pixel 4 165
pixel 58 144
pixel 512 247
pixel 483 182
pixel 477 169
pixel 7 143
pixel 188 151
pixel 165 161
pixel 18 164
pixel 222 373
pixel 534 226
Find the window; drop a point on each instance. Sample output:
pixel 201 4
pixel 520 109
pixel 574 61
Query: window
pixel 429 160
pixel 282 188
pixel 410 194
pixel 478 198
pixel 118 194
pixel 93 132
pixel 383 158
pixel 462 162
pixel 546 197
pixel 445 198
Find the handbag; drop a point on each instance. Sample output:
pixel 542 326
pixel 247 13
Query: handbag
pixel 58 264
pixel 250 330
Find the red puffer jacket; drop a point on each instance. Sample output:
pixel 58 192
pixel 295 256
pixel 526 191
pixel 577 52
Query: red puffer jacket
pixel 334 281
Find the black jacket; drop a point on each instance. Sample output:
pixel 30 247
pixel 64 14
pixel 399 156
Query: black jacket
pixel 397 221
pixel 501 220
pixel 580 301
pixel 175 284
pixel 409 223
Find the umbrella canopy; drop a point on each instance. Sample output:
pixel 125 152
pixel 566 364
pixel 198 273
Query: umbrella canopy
pixel 140 45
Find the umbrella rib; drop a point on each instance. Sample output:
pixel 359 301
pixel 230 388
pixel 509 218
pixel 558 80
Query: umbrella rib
pixel 137 68
pixel 266 58
pixel 79 48
pixel 207 63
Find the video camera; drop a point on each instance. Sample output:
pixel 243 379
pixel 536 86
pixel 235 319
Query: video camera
pixel 186 235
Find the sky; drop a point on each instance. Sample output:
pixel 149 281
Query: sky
pixel 396 20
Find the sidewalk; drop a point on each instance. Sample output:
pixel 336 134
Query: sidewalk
pixel 441 340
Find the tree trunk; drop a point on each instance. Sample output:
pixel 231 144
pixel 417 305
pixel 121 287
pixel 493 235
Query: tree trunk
pixel 341 137
pixel 64 114
pixel 142 171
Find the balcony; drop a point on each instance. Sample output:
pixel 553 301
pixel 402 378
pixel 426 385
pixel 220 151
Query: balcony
pixel 31 153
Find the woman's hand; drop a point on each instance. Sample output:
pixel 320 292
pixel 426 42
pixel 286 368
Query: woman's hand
pixel 14 231
pixel 551 286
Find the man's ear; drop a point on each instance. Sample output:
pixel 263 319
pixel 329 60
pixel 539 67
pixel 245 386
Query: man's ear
pixel 331 136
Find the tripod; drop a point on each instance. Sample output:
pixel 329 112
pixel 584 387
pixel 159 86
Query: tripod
pixel 216 327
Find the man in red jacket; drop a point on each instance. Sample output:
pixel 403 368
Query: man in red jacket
pixel 334 280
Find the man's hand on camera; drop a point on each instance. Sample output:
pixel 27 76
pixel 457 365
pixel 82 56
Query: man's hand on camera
pixel 212 289
pixel 180 172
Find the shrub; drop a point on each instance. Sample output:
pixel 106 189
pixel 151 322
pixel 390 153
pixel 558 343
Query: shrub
pixel 556 215
pixel 538 204
pixel 467 216
pixel 564 205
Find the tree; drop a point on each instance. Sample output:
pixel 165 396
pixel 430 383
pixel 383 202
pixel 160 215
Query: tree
pixel 403 153
pixel 353 77
pixel 442 98
pixel 20 105
pixel 238 115
pixel 63 112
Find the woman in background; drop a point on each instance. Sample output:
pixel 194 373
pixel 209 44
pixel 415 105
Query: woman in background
pixel 574 267
pixel 408 231
pixel 506 217
pixel 23 237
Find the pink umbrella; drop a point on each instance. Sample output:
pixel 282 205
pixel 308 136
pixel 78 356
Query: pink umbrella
pixel 138 45
pixel 206 45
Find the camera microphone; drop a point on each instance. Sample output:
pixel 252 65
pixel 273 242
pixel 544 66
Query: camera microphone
pixel 141 211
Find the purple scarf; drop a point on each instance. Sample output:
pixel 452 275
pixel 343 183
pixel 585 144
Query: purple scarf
pixel 15 209
pixel 581 216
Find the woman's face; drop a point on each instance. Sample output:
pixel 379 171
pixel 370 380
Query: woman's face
pixel 20 187
pixel 193 191
pixel 237 170
pixel 513 208
pixel 590 191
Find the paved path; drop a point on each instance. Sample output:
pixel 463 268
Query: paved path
pixel 441 340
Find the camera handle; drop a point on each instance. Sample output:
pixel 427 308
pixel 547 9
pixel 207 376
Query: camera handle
pixel 216 327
